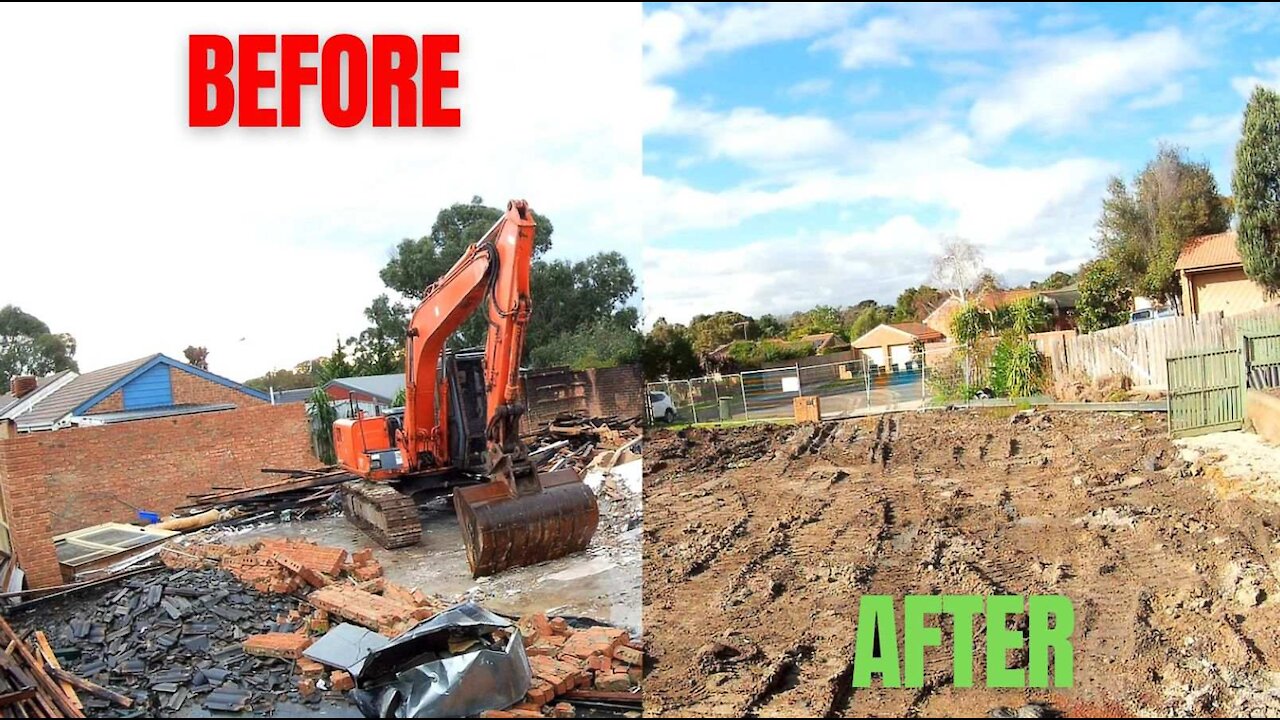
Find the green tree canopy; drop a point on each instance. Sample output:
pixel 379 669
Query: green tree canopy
pixel 1144 224
pixel 570 298
pixel 869 318
pixel 1105 297
pixel 819 320
pixel 667 352
pixel 28 347
pixel 1256 189
pixel 708 332
pixel 915 303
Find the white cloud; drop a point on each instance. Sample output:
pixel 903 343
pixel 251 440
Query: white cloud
pixel 1268 76
pixel 683 35
pixel 142 235
pixel 747 135
pixel 1205 131
pixel 1075 78
pixel 890 37
pixel 810 87
pixel 1168 94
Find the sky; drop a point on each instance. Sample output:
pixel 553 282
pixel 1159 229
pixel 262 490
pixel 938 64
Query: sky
pixel 804 154
pixel 136 234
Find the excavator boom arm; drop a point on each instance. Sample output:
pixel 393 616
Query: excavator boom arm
pixel 493 271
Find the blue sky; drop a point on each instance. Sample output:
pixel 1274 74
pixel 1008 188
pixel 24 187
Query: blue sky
pixel 801 154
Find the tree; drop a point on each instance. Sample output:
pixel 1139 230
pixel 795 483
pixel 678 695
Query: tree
pixel 379 348
pixel 915 303
pixel 1143 227
pixel 197 356
pixel 708 332
pixel 1105 298
pixel 320 410
pixel 819 320
pixel 302 375
pixel 596 345
pixel 667 352
pixel 959 268
pixel 567 296
pixel 869 319
pixel 28 347
pixel 770 326
pixel 1055 281
pixel 1255 187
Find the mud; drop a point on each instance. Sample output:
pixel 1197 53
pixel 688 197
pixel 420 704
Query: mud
pixel 760 540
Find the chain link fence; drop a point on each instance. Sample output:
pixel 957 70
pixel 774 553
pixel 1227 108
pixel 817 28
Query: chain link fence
pixel 846 388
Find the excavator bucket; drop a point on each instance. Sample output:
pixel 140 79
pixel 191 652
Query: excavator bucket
pixel 503 530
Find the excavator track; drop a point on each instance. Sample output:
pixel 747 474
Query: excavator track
pixel 385 514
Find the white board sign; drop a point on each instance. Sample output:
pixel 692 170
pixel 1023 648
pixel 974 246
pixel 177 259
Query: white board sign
pixel 791 384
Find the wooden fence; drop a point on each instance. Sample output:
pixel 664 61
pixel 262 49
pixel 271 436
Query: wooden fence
pixel 1140 351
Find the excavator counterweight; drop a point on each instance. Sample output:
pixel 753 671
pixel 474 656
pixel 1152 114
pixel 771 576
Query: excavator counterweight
pixel 460 425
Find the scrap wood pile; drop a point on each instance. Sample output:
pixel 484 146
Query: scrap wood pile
pixel 32 683
pixel 578 442
pixel 301 490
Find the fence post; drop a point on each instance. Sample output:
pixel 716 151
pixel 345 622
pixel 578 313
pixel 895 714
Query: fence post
pixel 693 404
pixel 742 385
pixel 799 382
pixel 866 380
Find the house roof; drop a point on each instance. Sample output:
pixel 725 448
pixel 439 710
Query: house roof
pixel 910 332
pixel 1209 251
pixel 63 402
pixel 293 396
pixel 91 388
pixel 158 412
pixel 381 387
pixel 817 340
pixel 918 330
pixel 8 400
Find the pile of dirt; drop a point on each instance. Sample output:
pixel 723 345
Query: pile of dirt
pixel 759 542
pixel 1112 388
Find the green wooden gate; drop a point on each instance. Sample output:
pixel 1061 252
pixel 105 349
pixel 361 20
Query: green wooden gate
pixel 1206 392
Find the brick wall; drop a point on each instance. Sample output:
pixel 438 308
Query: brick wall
pixel 190 389
pixel 604 391
pixel 56 482
pixel 111 403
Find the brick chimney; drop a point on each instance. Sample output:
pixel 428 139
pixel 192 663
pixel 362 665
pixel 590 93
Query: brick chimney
pixel 23 385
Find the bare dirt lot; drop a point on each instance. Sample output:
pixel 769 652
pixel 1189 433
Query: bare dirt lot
pixel 759 541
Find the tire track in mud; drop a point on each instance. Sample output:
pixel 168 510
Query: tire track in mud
pixel 961 503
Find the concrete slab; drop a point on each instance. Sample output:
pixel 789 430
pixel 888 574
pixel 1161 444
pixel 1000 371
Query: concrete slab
pixel 602 583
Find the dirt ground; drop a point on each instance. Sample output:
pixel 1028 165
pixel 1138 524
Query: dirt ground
pixel 759 541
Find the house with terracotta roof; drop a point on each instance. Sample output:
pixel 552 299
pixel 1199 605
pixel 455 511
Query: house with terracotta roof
pixel 1212 277
pixel 895 345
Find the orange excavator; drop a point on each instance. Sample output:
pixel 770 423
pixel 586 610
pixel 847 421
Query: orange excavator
pixel 459 430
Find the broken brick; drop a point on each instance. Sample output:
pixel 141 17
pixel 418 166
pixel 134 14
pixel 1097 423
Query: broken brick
pixel 309 668
pixel 280 645
pixel 562 710
pixel 613 682
pixel 367 572
pixel 341 681
pixel 363 608
pixel 307 687
pixel 363 556
pixel 628 655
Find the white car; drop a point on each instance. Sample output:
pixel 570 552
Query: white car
pixel 661 407
pixel 1149 314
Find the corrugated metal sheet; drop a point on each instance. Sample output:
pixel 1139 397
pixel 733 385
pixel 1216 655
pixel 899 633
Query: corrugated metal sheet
pixel 150 389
